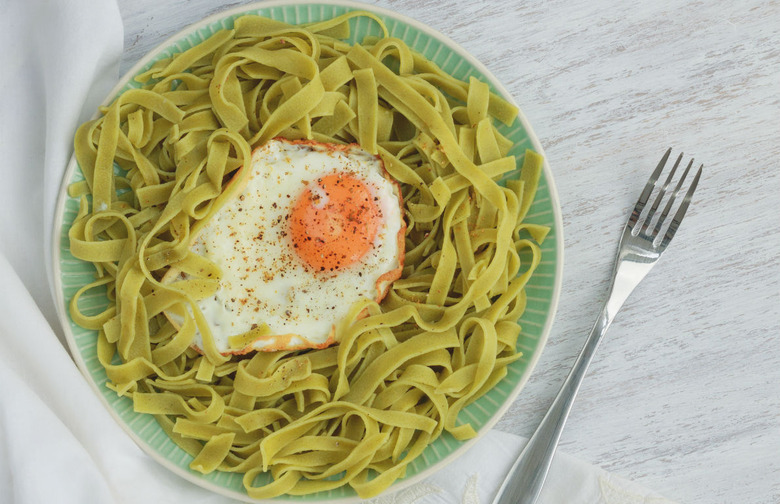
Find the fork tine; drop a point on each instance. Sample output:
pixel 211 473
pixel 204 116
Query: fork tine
pixel 640 204
pixel 678 216
pixel 669 203
pixel 661 194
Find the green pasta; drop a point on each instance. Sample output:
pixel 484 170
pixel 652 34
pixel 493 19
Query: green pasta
pixel 156 165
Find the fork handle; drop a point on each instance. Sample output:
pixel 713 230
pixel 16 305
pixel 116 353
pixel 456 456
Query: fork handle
pixel 526 477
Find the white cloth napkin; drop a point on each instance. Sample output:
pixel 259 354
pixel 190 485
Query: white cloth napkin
pixel 57 441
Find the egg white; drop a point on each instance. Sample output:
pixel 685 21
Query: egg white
pixel 263 280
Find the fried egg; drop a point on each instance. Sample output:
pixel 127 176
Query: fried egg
pixel 316 228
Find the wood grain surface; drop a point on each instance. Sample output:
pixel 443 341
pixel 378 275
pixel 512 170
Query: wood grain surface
pixel 684 394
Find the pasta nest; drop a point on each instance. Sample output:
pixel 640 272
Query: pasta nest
pixel 157 161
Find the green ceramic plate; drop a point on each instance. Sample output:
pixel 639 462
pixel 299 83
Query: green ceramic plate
pixel 542 290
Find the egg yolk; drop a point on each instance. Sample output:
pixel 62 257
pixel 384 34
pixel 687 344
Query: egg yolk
pixel 334 224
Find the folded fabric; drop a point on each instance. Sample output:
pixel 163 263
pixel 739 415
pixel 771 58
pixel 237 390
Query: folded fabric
pixel 475 477
pixel 58 443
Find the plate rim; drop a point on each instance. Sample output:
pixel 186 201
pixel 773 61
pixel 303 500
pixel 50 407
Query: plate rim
pixel 57 224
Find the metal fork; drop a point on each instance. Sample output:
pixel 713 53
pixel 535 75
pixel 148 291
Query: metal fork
pixel 641 245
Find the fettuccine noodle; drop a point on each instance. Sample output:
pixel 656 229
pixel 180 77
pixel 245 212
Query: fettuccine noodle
pixel 156 165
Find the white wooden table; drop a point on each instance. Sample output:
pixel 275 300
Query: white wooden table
pixel 684 394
